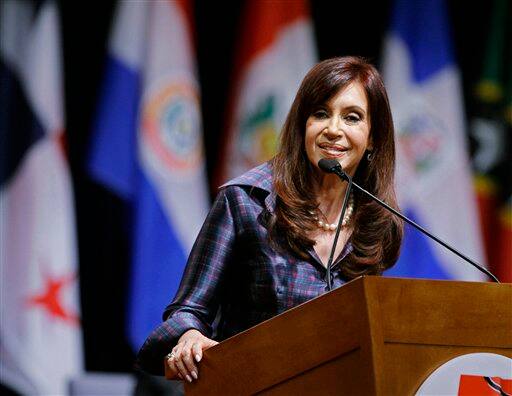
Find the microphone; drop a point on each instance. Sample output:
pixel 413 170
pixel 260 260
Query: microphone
pixel 333 166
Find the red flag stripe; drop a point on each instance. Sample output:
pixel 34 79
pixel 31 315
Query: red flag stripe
pixel 261 24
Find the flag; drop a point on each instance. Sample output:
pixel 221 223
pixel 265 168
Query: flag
pixel 491 130
pixel 40 331
pixel 433 170
pixel 147 148
pixel 276 50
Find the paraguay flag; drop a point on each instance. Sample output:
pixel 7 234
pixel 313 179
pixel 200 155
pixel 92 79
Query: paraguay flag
pixel 433 170
pixel 147 147
pixel 40 331
pixel 276 50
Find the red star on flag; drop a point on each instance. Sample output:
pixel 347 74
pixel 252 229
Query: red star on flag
pixel 50 299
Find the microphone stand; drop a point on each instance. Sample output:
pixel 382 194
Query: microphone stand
pixel 343 176
pixel 338 229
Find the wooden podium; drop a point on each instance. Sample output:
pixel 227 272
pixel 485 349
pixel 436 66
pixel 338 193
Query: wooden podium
pixel 374 335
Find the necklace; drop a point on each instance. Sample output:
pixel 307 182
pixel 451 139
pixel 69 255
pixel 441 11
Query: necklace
pixel 326 226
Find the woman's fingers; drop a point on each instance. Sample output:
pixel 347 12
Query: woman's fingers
pixel 188 359
pixel 178 352
pixel 171 362
pixel 174 369
pixel 184 361
pixel 197 351
pixel 183 371
pixel 187 353
pixel 210 343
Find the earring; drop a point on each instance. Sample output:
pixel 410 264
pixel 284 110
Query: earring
pixel 369 156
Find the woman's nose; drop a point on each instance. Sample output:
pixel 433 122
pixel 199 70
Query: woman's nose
pixel 333 129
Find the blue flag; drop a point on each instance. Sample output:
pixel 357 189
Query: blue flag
pixel 147 147
pixel 433 170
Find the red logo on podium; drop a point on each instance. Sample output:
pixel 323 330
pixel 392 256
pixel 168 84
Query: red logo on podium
pixel 470 385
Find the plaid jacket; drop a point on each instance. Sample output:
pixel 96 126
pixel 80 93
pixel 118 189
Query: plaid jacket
pixel 234 279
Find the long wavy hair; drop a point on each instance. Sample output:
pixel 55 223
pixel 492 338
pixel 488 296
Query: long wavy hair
pixel 377 234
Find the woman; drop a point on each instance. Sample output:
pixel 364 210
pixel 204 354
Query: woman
pixel 265 243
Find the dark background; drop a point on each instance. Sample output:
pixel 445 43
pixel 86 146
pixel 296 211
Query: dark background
pixel 341 27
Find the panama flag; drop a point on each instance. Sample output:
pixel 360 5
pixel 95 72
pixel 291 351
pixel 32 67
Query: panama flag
pixel 147 147
pixel 40 332
pixel 433 171
pixel 276 50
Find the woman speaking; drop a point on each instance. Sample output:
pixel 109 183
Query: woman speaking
pixel 265 244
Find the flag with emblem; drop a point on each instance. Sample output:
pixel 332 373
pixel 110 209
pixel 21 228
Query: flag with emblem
pixel 433 169
pixel 40 332
pixel 276 50
pixel 147 147
pixel 491 130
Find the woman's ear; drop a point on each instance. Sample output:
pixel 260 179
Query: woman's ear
pixel 369 147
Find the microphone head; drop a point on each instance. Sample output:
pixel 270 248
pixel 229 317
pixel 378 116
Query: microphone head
pixel 333 166
pixel 329 165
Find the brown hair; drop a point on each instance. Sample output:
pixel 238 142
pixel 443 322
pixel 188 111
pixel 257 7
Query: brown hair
pixel 377 234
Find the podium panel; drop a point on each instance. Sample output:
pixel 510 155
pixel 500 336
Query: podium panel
pixel 374 335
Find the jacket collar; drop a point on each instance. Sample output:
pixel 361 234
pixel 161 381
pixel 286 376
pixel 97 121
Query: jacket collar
pixel 260 178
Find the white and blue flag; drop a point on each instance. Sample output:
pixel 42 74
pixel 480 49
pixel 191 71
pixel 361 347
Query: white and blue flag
pixel 148 149
pixel 40 325
pixel 433 170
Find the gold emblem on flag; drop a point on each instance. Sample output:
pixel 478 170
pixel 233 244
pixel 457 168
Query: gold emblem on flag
pixel 259 135
pixel 171 126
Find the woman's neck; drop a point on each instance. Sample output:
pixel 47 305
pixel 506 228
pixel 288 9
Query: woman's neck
pixel 330 191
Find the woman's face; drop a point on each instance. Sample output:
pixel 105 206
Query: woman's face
pixel 340 129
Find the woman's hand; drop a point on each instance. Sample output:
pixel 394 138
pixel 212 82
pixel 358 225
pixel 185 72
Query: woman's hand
pixel 187 352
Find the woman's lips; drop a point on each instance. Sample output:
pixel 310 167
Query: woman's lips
pixel 332 150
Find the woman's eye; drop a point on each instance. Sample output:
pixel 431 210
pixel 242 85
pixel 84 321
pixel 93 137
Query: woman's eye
pixel 320 114
pixel 353 118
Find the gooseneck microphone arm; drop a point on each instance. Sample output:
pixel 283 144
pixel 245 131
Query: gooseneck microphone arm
pixel 333 166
